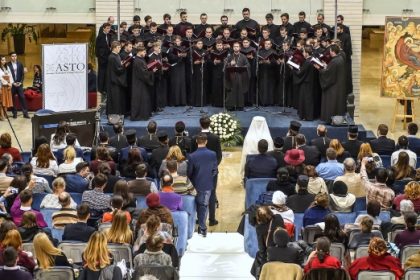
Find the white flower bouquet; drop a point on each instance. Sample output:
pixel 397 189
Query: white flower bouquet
pixel 227 128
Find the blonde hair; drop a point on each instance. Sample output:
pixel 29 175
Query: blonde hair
pixel 45 250
pixel 69 153
pixel 96 254
pixel 336 145
pixel 365 150
pixel 120 232
pixel 58 182
pixel 13 239
pixel 175 153
pixel 412 190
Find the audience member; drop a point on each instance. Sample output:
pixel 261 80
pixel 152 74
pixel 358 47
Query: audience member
pixel 176 154
pixel 4 179
pixel 96 199
pixel 11 269
pixel 332 230
pixel 290 138
pixel 23 204
pixel 111 179
pixel 322 142
pixel 44 162
pixel 341 154
pixel 340 199
pixel 402 168
pixel 6 147
pixel 406 206
pixel 365 234
pixel 159 153
pixel 331 169
pixel 104 142
pixel 13 239
pixel 70 161
pixel 155 208
pixel 66 215
pixel 412 193
pixel 316 184
pixel 352 180
pixel 128 168
pixel 378 260
pixel 281 251
pixel 181 184
pixel 410 235
pixel 132 144
pixel 118 141
pixel 71 142
pixel 181 139
pixel 413 140
pixel 283 183
pixel 277 152
pixel 78 182
pixel 150 141
pixel 167 196
pixel 373 209
pixel 311 153
pixel 28 228
pixel 46 254
pixel 317 212
pixel 153 254
pixel 294 159
pixel 320 257
pixel 366 151
pixel 152 226
pixel 383 145
pixel 41 184
pixel 120 231
pixel 141 186
pixel 403 147
pixel 79 231
pixel 116 205
pixel 102 156
pixel 121 189
pixel 51 199
pixel 352 145
pixel 303 199
pixel 58 138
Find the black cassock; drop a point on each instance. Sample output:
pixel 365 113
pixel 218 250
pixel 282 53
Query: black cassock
pixel 333 84
pixel 267 75
pixel 217 82
pixel 237 83
pixel 197 83
pixel 116 78
pixel 178 92
pixel 251 94
pixel 142 85
pixel 306 80
pixel 160 85
pixel 285 83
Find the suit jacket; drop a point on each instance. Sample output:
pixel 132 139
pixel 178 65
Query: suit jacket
pixel 261 166
pixel 76 183
pixel 414 144
pixel 124 154
pixel 149 142
pixel 19 76
pixel 289 143
pixel 202 168
pixel 59 154
pixel 278 155
pixel 383 145
pixel 322 144
pixel 312 155
pixel 353 147
pixel 102 50
pixel 78 232
pixel 118 142
pixel 158 155
pixel 213 143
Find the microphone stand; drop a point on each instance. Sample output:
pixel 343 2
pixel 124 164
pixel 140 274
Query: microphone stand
pixel 202 86
pixel 189 108
pixel 283 68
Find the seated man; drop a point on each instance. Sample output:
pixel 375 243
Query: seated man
pixel 22 204
pixel 351 178
pixel 181 184
pixel 331 169
pixel 103 142
pixel 118 141
pixel 96 199
pixel 168 198
pixel 78 183
pixel 383 145
pixel 303 199
pixel 79 231
pixel 322 142
pixel 413 140
pixel 132 143
pixel 4 179
pixel 312 155
pixel 277 152
pixel 141 186
pixel 352 145
pixel 70 141
pixel 262 165
pixel 66 215
pixel 10 269
pixel 150 141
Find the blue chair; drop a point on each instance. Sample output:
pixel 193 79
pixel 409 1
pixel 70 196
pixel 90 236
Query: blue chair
pixel 385 216
pixel 386 160
pixel 181 222
pixel 253 188
pixel 87 155
pixel 189 206
pixel 298 225
pixel 346 218
pixel 77 197
pixel 50 179
pixel 57 234
pixel 250 238
pixel 26 156
pixel 399 186
pixel 37 199
pixel 360 204
pixel 141 202
pixel 47 213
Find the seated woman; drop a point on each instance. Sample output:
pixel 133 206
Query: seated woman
pixel 37 80
pixel 58 138
pixel 340 199
pixel 281 252
pixel 377 260
pixel 153 254
pixel 175 153
pixel 152 226
pixel 97 258
pixel 28 228
pixel 44 162
pixel 120 231
pixel 70 161
pixel 283 183
pixel 410 235
pixel 41 184
pixel 365 234
pixel 402 169
pixel 317 212
pixel 279 208
pixel 365 150
pixel 51 200
pixel 102 155
pixel 321 258
pixel 128 168
pixel 411 192
pixel 6 146
pixel 406 206
pixel 332 230
pixel 121 189
pixel 316 184
pixel 116 205
pixel 373 209
pixel 13 239
pixel 339 149
pixel 46 254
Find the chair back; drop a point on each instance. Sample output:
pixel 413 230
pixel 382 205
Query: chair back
pixel 189 206
pixel 122 252
pixel 250 238
pixel 392 234
pixel 159 271
pixel 361 251
pixel 57 233
pixel 412 274
pixel 273 271
pixel 26 156
pixel 309 233
pixel 54 273
pixel 181 222
pixel 104 226
pixel 407 251
pixel 49 178
pixel 37 199
pixel 29 247
pixel 386 161
pixel 298 225
pixel 73 250
pixel 77 197
pixel 141 202
pixel 360 204
pixel 338 250
pixel 399 186
pixel 327 273
pixel 375 275
pixel 385 216
pixel 345 218
pixel 253 188
pixel 47 214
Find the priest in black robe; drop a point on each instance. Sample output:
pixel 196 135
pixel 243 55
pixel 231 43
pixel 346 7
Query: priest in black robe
pixel 216 60
pixel 251 25
pixel 274 29
pixel 285 84
pixel 333 84
pixel 285 22
pixel 198 93
pixel 209 43
pixel 347 48
pixel 302 23
pixel 266 74
pixel 142 85
pixel 188 42
pixel 177 58
pixel 160 85
pixel 116 76
pixel 182 26
pixel 250 53
pixel 200 29
pixel 102 51
pixel 237 80
pixel 218 33
pixel 127 56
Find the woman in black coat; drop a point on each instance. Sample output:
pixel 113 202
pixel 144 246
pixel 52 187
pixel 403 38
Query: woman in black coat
pixel 283 251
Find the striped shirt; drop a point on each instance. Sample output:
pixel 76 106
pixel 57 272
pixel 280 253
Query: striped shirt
pixel 64 217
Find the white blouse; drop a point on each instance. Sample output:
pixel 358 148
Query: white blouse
pixel 52 170
pixel 7 72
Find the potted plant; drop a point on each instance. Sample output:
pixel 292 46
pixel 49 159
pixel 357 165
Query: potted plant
pixel 19 33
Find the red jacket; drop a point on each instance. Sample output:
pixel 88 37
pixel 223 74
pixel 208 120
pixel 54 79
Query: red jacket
pixel 13 152
pixel 329 262
pixel 372 262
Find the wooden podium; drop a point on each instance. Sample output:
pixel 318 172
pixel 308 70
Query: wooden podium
pixel 403 115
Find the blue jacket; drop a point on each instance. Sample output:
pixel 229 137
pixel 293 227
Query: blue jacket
pixel 261 166
pixel 76 183
pixel 202 168
pixel 315 214
pixel 124 153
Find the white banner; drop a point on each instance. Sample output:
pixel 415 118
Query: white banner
pixel 65 77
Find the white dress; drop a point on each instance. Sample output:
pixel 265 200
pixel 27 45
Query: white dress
pixel 257 130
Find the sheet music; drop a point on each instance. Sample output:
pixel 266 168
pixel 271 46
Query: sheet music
pixel 294 65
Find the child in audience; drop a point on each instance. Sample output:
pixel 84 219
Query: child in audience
pixel 116 205
pixel 321 258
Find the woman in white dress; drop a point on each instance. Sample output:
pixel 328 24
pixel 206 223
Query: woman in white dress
pixel 257 130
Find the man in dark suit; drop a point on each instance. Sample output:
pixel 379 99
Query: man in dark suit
pixel 202 168
pixel 413 141
pixel 181 138
pixel 289 139
pixel 141 186
pixel 79 231
pixel 118 141
pixel 312 155
pixel 159 154
pixel 70 141
pixel 261 165
pixel 131 138
pixel 352 145
pixel 383 145
pixel 78 183
pixel 150 141
pixel 103 142
pixel 213 144
pixel 18 74
pixel 277 152
pixel 102 51
pixel 322 142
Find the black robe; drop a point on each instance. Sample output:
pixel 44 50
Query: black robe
pixel 102 51
pixel 237 83
pixel 198 89
pixel 124 55
pixel 160 88
pixel 305 79
pixel 178 92
pixel 266 78
pixel 141 97
pixel 247 24
pixel 116 77
pixel 285 83
pixel 217 82
pixel 333 84
pixel 347 48
pixel 251 94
